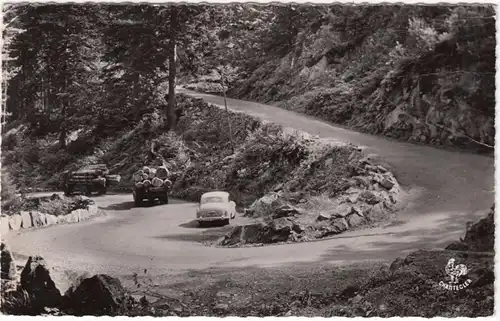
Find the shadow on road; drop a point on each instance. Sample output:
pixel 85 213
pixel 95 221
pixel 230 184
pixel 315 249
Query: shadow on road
pixel 194 224
pixel 207 235
pixel 190 224
pixel 125 206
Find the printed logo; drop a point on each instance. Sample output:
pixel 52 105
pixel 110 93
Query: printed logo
pixel 456 273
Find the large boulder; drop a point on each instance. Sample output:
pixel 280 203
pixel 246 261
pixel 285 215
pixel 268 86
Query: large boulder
pixel 278 230
pixel 98 295
pixel 36 280
pixel 369 197
pixel 355 220
pixel 15 222
pixel 8 265
pixel 341 210
pixel 339 225
pixel 323 217
pixel 285 210
pixel 263 204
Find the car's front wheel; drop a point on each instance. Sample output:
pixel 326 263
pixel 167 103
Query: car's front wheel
pixel 102 190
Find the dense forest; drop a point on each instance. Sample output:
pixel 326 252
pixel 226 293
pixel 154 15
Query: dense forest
pixel 417 73
pixel 422 73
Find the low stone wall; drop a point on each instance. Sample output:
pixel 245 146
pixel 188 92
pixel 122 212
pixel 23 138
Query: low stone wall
pixel 35 219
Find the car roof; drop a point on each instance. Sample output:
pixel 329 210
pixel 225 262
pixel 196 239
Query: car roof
pixel 215 194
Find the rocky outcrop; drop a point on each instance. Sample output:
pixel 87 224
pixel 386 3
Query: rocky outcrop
pixel 276 231
pixel 98 295
pixel 36 280
pixel 479 237
pixel 369 195
pixel 35 292
pixel 419 278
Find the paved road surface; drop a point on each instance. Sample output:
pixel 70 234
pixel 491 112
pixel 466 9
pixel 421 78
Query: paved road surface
pixel 453 188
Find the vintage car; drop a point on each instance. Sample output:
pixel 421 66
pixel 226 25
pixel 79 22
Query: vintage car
pixel 215 207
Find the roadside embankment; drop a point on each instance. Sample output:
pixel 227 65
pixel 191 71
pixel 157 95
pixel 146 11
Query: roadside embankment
pixel 37 212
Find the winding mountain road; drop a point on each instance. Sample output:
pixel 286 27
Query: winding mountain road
pixel 450 188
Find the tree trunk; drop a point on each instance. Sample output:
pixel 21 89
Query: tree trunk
pixel 63 133
pixel 4 102
pixel 171 116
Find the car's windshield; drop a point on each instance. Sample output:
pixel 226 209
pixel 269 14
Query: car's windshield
pixel 212 199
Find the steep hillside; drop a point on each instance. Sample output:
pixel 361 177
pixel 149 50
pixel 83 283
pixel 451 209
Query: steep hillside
pixel 416 73
pixel 323 186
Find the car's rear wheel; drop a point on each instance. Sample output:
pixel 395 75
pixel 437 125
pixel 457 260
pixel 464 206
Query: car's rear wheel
pixel 69 190
pixel 164 199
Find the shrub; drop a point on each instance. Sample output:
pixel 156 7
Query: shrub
pixel 8 193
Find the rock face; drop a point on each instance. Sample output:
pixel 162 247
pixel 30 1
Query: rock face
pixel 8 271
pixel 480 236
pixel 98 295
pixel 36 280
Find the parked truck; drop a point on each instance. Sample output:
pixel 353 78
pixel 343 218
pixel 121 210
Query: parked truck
pixel 89 179
pixel 151 184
